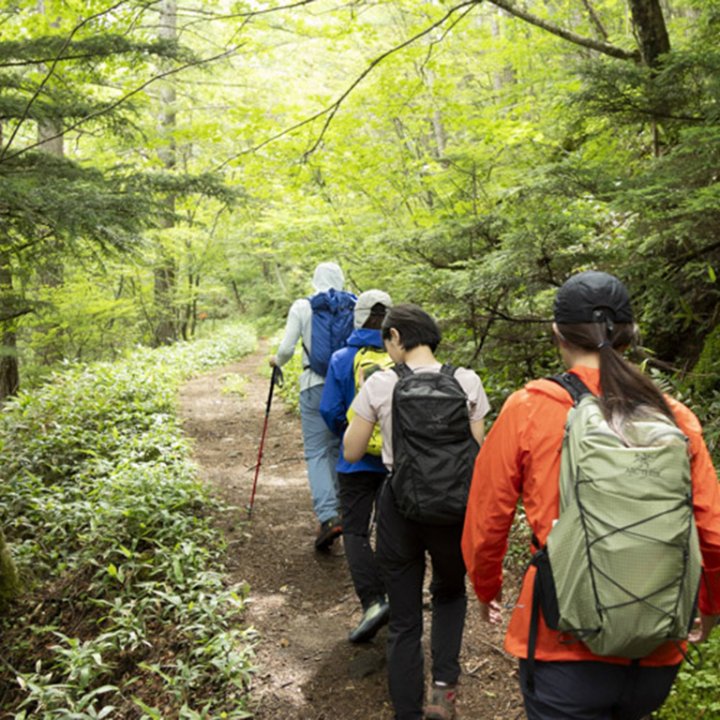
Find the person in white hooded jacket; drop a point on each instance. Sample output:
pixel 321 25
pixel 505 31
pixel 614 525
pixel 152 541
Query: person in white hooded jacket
pixel 321 445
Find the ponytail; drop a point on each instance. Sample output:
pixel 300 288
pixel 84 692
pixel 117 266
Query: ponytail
pixel 623 387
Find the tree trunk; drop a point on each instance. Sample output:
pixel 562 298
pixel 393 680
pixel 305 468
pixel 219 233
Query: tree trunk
pixel 506 76
pixel 50 269
pixel 652 34
pixel 165 283
pixel 9 371
pixel 50 137
pixel 9 580
pixel 166 329
pixel 654 42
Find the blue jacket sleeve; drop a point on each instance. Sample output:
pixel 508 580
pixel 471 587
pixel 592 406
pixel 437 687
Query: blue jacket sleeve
pixel 333 407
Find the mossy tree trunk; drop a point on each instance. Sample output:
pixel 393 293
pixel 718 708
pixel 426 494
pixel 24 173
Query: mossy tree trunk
pixel 9 369
pixel 9 579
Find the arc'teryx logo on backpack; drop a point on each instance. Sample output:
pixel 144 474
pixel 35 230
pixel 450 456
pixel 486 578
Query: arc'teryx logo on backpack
pixel 644 467
pixel 621 567
pixel 433 448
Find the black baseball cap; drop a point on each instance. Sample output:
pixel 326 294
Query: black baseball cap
pixel 592 296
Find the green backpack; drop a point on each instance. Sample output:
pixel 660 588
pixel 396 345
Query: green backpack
pixel 621 567
pixel 368 360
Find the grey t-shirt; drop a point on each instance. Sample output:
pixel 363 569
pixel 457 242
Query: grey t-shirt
pixel 374 401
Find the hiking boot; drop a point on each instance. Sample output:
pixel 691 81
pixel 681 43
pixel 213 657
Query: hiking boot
pixel 442 702
pixel 373 619
pixel 327 533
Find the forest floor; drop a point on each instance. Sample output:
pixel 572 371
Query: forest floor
pixel 301 602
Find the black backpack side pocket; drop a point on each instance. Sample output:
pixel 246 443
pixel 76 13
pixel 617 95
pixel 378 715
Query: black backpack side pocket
pixel 545 589
pixel 544 598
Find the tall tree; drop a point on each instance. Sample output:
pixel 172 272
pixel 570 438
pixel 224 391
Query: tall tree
pixel 165 271
pixel 652 34
pixel 57 79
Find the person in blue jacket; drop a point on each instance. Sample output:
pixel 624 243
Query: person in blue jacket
pixel 359 482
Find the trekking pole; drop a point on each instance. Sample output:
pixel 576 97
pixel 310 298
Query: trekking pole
pixel 276 379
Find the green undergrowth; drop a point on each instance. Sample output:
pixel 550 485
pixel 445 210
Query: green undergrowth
pixel 124 611
pixel 695 692
pixel 290 390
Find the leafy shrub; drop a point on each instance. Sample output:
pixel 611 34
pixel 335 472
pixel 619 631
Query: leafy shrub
pixel 290 391
pixel 695 692
pixel 110 530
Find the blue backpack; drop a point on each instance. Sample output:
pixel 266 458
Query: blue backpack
pixel 332 323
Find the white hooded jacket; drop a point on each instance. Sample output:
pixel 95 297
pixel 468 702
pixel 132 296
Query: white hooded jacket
pixel 299 322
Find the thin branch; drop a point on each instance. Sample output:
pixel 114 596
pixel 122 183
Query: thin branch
pixel 50 73
pixel 14 315
pixel 121 100
pixel 332 109
pixel 496 313
pixel 198 15
pixel 596 19
pixel 208 14
pixel 442 37
pixel 56 59
pixel 695 254
pixel 598 45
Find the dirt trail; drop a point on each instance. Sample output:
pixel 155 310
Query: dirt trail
pixel 302 603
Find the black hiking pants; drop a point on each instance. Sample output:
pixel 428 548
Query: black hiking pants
pixel 591 690
pixel 401 548
pixel 358 495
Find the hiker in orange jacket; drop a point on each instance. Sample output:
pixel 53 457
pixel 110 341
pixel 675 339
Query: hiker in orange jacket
pixel 521 459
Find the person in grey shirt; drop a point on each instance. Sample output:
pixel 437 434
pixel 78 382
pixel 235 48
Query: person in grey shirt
pixel 411 337
pixel 321 445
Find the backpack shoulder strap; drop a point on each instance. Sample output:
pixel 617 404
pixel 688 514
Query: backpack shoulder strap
pixel 402 370
pixel 360 355
pixel 318 300
pixel 347 300
pixel 576 388
pixel 448 369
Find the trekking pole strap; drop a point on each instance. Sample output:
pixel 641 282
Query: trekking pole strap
pixel 276 379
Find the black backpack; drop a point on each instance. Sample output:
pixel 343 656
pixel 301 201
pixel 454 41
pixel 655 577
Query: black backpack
pixel 433 448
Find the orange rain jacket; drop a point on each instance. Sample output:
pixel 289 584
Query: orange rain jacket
pixel 521 458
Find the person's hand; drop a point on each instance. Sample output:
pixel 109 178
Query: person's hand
pixel 272 360
pixel 702 627
pixel 491 612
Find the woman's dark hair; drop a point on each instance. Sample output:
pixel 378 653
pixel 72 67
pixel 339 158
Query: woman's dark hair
pixel 414 326
pixel 376 317
pixel 624 388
